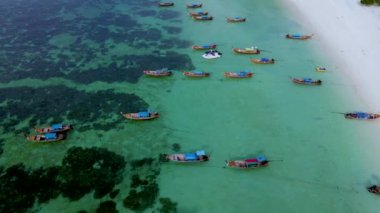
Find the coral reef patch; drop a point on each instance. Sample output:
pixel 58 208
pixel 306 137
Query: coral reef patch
pixel 82 171
pixel 59 102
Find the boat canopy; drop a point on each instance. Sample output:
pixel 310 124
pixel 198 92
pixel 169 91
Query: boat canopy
pixel 190 156
pixel 307 80
pixel 362 114
pixel 197 72
pixel 200 152
pixel 50 136
pixel 265 59
pixel 297 35
pixel 261 158
pixel 162 70
pixel 56 126
pixel 143 114
pixel 242 73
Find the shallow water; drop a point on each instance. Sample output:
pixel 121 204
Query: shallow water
pixel 320 160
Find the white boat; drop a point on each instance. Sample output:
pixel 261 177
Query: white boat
pixel 212 54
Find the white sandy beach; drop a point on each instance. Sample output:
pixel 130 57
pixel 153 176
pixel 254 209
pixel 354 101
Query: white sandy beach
pixel 350 33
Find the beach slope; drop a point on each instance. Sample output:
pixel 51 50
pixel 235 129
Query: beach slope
pixel 350 34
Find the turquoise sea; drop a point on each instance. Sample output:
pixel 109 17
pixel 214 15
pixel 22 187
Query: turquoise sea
pixel 81 62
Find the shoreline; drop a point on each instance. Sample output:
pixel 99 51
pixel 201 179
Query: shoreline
pixel 350 34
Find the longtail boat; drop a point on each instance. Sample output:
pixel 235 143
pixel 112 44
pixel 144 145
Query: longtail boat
pixel 202 18
pixel 166 4
pixel 236 19
pixel 141 116
pixel 204 47
pixel 307 81
pixel 298 36
pixel 212 54
pixel 55 128
pixel 263 61
pixel 320 69
pixel 251 163
pixel 250 50
pixel 192 157
pixel 194 5
pixel 200 13
pixel 46 138
pixel 158 73
pixel 361 116
pixel 239 74
pixel 374 189
pixel 196 74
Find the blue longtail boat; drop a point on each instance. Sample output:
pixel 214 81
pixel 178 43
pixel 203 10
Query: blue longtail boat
pixel 46 138
pixel 192 157
pixel 361 116
pixel 55 128
pixel 298 36
pixel 141 116
pixel 251 163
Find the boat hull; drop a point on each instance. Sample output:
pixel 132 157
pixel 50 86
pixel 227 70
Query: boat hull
pixel 196 75
pixel 65 128
pixel 236 75
pixel 203 18
pixel 320 69
pixel 166 4
pixel 208 47
pixel 259 61
pixel 354 116
pixel 211 57
pixel 251 163
pixel 39 138
pixel 245 51
pixel 199 13
pixel 374 189
pixel 302 37
pixel 180 158
pixel 135 116
pixel 191 6
pixel 154 73
pixel 312 83
pixel 240 164
pixel 232 20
